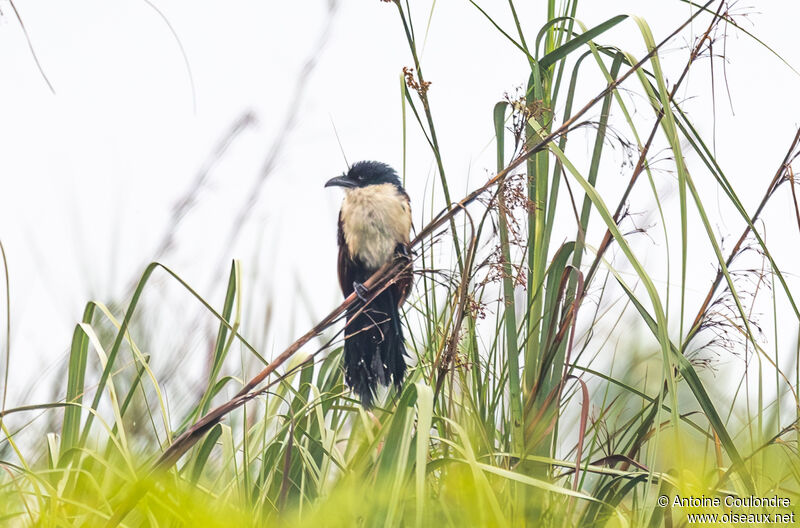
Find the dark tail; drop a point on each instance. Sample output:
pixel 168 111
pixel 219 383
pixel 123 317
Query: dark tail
pixel 374 348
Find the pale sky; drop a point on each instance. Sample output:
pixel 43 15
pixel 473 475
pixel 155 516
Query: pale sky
pixel 89 175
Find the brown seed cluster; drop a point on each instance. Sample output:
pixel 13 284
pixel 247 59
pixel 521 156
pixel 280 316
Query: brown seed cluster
pixel 420 87
pixel 514 201
pixel 497 264
pixel 515 197
pixel 523 109
pixel 476 308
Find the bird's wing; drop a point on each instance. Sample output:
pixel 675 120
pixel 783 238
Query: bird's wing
pixel 402 285
pixel 403 250
pixel 345 263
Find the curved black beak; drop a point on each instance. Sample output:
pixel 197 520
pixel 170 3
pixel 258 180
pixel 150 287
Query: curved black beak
pixel 341 181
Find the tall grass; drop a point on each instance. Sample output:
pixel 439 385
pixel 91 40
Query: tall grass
pixel 511 414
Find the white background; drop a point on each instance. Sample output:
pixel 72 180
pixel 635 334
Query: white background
pixel 90 174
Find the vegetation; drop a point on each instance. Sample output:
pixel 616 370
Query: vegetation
pixel 512 413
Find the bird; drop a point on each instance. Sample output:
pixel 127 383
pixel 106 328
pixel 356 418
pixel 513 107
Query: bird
pixel 374 228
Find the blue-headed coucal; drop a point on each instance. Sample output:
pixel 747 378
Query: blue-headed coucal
pixel 374 228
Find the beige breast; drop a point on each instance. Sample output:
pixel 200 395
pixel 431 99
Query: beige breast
pixel 375 219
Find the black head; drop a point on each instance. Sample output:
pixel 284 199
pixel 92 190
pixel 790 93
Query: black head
pixel 365 173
